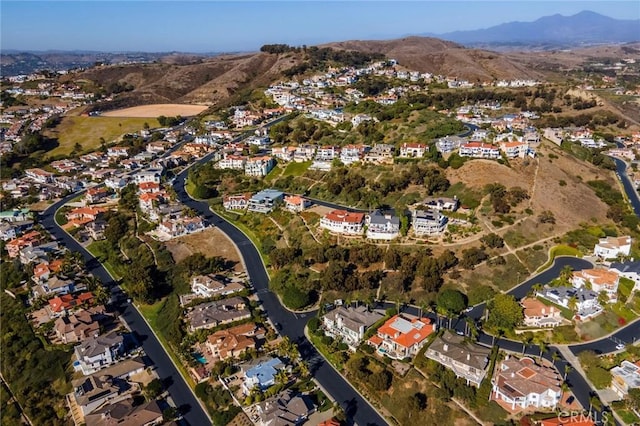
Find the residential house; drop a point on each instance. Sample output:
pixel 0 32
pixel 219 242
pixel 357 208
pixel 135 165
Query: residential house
pixel 343 222
pixel 262 375
pixel 428 222
pixel 96 195
pixel 296 203
pixel 401 337
pixel 181 226
pixel 380 154
pixel 629 270
pixel 7 231
pixel 478 150
pixel 235 162
pixel 148 201
pixel 441 203
pixel 624 377
pixel 413 150
pixel 521 383
pixel 210 285
pixel 327 153
pixel 349 324
pixel 212 314
pixel 65 303
pixel 92 392
pixel 382 225
pixel 232 342
pixel 15 215
pixel 259 166
pixel 612 247
pixel 42 252
pixel 304 153
pixel 76 327
pixel 449 144
pixel 236 202
pixel 149 187
pixel 350 154
pixel 54 286
pixel 265 201
pixel 537 314
pixel 96 353
pixel 83 215
pixel 467 360
pixel 598 280
pixel 116 183
pixel 116 152
pixel 30 239
pixel 40 176
pixel 150 175
pixel 43 270
pixel 515 149
pixel 284 153
pixel 96 230
pixel 126 413
pixel 285 409
pixel 585 301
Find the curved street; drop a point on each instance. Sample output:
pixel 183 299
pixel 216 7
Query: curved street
pixel 179 390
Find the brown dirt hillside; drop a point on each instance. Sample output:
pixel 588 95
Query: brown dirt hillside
pixel 206 81
pixel 442 57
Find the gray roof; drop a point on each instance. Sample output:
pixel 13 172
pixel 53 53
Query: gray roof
pixel 92 388
pixel 354 318
pixel 626 267
pixel 285 409
pixel 383 217
pixel 581 294
pixel 455 347
pixel 217 311
pixel 98 345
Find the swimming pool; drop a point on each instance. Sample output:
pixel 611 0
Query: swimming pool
pixel 199 357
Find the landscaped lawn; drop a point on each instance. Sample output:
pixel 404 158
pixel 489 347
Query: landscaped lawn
pixel 87 131
pixel 296 169
pixel 96 248
pixel 625 286
pixel 560 250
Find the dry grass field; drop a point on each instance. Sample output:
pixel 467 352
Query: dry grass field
pixel 156 110
pixel 87 131
pixel 210 242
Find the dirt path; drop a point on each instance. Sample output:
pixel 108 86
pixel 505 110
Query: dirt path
pixel 284 234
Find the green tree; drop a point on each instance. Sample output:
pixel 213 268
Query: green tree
pixel 139 282
pixel 633 398
pixel 492 240
pixel 153 389
pixel 451 302
pixel 505 313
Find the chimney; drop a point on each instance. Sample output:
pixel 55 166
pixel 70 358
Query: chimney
pixel 445 347
pixel 468 356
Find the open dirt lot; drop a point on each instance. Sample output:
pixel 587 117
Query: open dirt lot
pixel 210 242
pixel 156 110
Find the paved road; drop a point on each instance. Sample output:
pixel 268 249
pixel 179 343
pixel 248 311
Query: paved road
pixel 167 371
pixel 292 325
pixel 621 171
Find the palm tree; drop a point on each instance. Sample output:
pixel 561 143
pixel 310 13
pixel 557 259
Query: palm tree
pixel 572 304
pixel 567 369
pixel 541 344
pixel 555 357
pixel 566 273
pixel 527 338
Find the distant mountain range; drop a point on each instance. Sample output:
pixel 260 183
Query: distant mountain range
pixel 554 31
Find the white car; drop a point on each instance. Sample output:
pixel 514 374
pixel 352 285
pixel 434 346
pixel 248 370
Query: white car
pixel 619 347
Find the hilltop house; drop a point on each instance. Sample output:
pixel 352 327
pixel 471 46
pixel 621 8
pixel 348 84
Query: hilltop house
pixel 380 154
pixel 413 150
pixel 212 314
pixel 265 201
pixel 624 377
pixel 428 222
pixel 537 314
pixel 599 280
pixel 585 301
pixel 612 247
pixel 210 285
pixel 296 203
pixel 467 360
pixel 96 195
pixel 479 150
pixel 349 324
pixel 236 202
pixel 343 222
pixel 401 336
pixel 382 225
pixel 521 383
pixel 629 270
pixel 441 203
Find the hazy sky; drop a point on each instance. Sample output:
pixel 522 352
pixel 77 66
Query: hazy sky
pixel 216 26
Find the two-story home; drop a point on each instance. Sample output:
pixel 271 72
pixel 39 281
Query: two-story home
pixel 350 154
pixel 76 327
pixel 428 222
pixel 515 149
pixel 284 153
pixel 212 314
pixel 236 202
pixel 612 247
pixel 96 353
pixel 629 270
pixel 54 286
pixel 210 285
pixel 583 301
pixel 39 175
pixel 265 201
pixel 181 226
pixel 479 150
pixel 116 152
pixel 327 153
pixel 401 337
pixel 380 154
pixel 284 409
pixel 259 166
pixel 521 383
pixel 624 377
pixel 296 203
pixel 441 203
pixel 413 150
pixel 343 222
pixel 232 342
pixel 62 304
pixel 262 375
pixel 598 280
pixel 382 225
pixel 537 314
pixel 96 195
pixel 467 360
pixel 30 239
pixel 150 175
pixel 349 324
pixel 126 412
pixel 90 393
